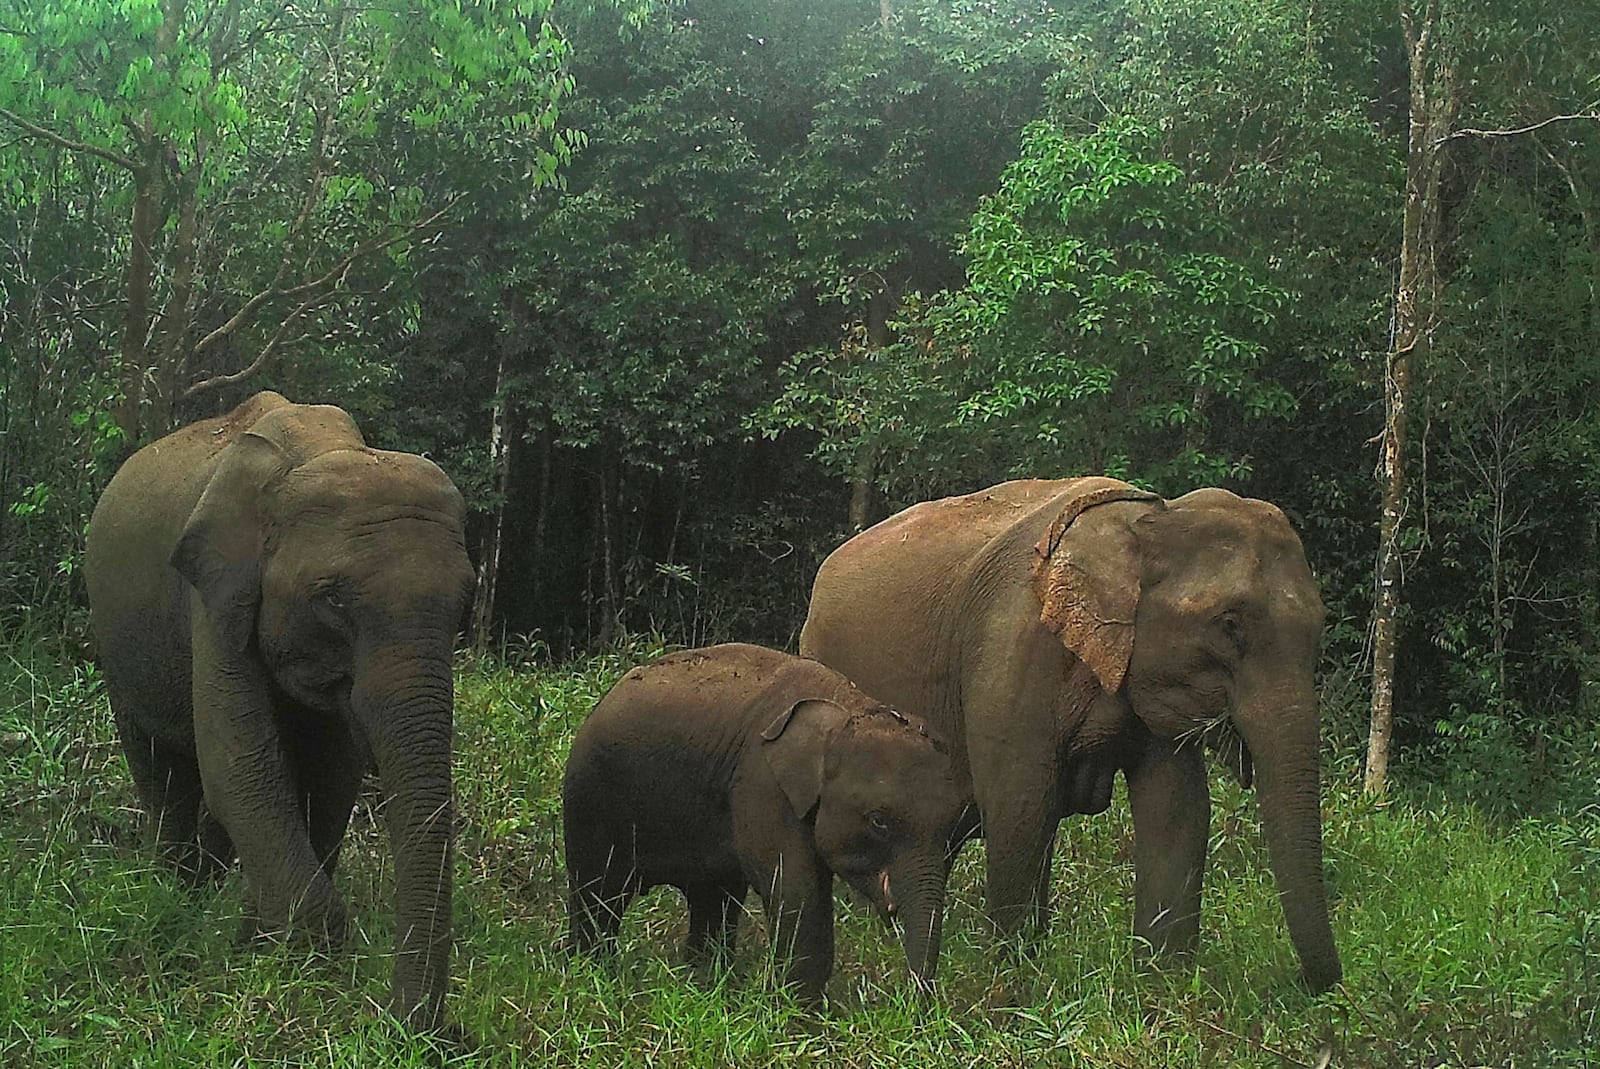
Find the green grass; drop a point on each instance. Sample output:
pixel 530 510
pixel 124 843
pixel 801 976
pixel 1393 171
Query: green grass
pixel 1468 940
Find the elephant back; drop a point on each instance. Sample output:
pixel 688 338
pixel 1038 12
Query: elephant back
pixel 878 603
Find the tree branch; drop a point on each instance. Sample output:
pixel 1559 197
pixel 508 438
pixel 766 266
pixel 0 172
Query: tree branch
pixel 1591 115
pixel 1577 195
pixel 125 162
pixel 245 314
pixel 218 381
pixel 375 245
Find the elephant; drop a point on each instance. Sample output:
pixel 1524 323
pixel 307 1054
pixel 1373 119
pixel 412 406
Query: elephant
pixel 718 769
pixel 1056 632
pixel 275 606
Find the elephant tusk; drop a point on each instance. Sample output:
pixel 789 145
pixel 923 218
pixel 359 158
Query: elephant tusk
pixel 883 889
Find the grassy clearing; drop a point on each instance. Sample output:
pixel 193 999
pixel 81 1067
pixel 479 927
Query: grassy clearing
pixel 1468 941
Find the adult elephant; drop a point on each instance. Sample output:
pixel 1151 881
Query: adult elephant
pixel 275 605
pixel 1059 631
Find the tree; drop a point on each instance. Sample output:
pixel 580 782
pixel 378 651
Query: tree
pixel 1435 87
pixel 1100 329
pixel 1450 45
pixel 265 157
pixel 754 175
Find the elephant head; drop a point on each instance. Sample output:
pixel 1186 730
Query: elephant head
pixel 1203 615
pixel 341 571
pixel 887 799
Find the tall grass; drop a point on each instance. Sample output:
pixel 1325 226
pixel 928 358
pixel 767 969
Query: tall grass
pixel 1468 940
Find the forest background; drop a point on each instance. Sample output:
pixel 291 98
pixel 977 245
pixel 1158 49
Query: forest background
pixel 683 292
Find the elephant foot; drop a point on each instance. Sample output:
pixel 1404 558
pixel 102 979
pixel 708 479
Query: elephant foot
pixel 707 954
pixel 325 934
pixel 454 1043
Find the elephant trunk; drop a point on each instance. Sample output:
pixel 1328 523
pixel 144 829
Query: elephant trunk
pixel 921 913
pixel 403 699
pixel 1282 733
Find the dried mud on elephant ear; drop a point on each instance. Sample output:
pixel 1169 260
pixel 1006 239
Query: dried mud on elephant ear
pixel 1091 612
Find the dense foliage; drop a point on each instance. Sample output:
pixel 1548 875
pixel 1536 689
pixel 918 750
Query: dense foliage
pixel 679 292
pixel 723 277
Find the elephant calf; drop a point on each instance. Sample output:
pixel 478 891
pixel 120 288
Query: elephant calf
pixel 733 766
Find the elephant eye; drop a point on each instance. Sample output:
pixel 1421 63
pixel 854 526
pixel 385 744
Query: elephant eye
pixel 879 821
pixel 331 597
pixel 1232 628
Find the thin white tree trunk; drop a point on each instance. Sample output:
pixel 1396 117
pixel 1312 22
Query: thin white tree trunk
pixel 489 557
pixel 1434 103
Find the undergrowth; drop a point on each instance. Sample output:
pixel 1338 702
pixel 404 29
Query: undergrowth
pixel 1469 939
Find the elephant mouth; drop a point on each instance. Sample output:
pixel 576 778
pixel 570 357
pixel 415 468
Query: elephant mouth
pixel 886 903
pixel 1223 739
pixel 874 887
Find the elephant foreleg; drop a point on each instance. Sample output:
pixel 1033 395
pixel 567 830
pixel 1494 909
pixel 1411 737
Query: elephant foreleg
pixel 250 788
pixel 1020 816
pixel 714 909
pixel 800 918
pixel 1171 804
pixel 1018 854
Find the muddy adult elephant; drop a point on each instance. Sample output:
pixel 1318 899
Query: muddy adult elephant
pixel 275 605
pixel 1058 632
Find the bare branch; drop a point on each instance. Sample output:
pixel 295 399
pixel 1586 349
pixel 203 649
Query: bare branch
pixel 248 312
pixel 1592 115
pixel 125 162
pixel 1323 1056
pixel 375 245
pixel 1572 187
pixel 218 381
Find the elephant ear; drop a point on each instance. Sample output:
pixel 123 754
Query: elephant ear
pixel 795 746
pixel 219 551
pixel 1086 575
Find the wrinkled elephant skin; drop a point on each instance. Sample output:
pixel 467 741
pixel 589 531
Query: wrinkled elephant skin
pixel 721 769
pixel 276 605
pixel 1060 632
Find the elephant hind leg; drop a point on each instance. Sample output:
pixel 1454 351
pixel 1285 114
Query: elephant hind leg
pixel 601 884
pixel 167 779
pixel 714 910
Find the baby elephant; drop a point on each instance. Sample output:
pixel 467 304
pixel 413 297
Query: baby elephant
pixel 733 766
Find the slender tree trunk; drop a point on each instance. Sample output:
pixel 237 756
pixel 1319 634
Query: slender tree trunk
pixel 176 313
pixel 149 181
pixel 541 518
pixel 608 599
pixel 863 480
pixel 136 287
pixel 1500 459
pixel 489 554
pixel 1434 102
pixel 861 490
